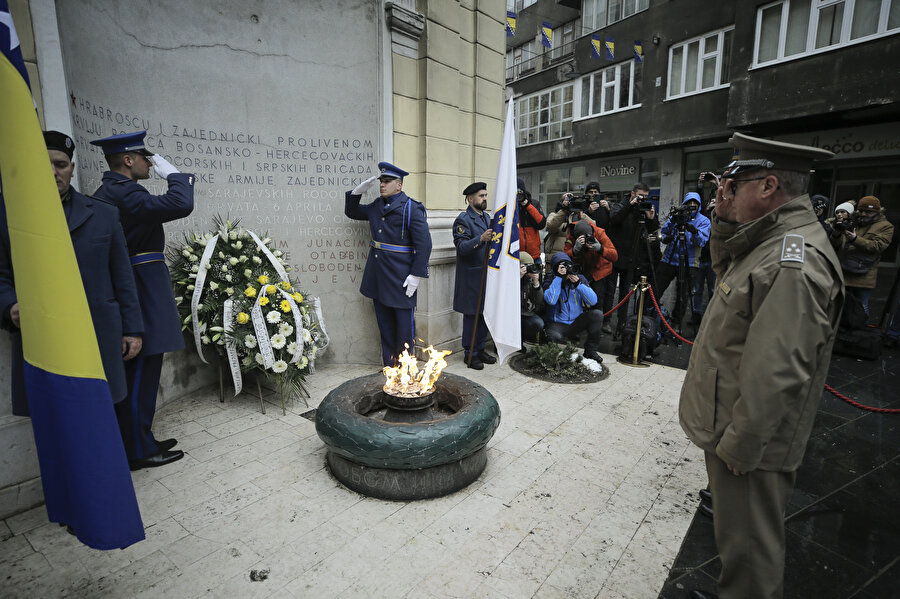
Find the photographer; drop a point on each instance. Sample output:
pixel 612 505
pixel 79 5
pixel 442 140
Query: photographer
pixel 568 298
pixel 531 221
pixel 842 219
pixel 859 246
pixel 589 247
pixel 819 204
pixel 569 210
pixel 706 277
pixel 597 206
pixel 634 230
pixel 532 297
pixel 685 232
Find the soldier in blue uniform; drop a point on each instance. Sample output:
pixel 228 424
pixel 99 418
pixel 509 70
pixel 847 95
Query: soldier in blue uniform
pixel 472 236
pixel 398 258
pixel 142 216
pixel 86 482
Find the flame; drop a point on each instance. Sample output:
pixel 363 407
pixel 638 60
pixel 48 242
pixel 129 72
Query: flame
pixel 407 380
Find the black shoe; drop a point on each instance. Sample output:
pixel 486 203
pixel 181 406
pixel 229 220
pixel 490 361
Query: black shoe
pixel 476 363
pixel 166 445
pixel 697 594
pixel 486 358
pixel 705 496
pixel 160 459
pixel 606 328
pixel 592 354
pixel 706 509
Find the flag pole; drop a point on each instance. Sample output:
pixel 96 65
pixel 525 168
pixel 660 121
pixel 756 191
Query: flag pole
pixel 478 310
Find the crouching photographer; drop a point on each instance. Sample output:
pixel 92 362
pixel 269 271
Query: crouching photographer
pixel 532 297
pixel 588 246
pixel 568 296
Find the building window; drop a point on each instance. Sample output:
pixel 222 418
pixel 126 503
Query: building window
pixel 701 64
pixel 517 5
pixel 545 116
pixel 793 28
pixel 563 40
pixel 597 14
pixel 522 60
pixel 615 88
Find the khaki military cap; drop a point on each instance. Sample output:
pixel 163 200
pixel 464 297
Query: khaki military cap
pixel 755 152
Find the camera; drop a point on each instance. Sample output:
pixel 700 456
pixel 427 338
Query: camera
pixel 579 203
pixel 532 268
pixel 844 225
pixel 681 215
pixel 571 267
pixel 707 176
pixel 645 205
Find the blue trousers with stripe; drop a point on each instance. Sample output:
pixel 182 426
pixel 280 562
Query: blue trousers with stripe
pixel 397 327
pixel 480 334
pixel 135 412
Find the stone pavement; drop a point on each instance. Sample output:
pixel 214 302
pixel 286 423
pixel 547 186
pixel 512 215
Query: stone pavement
pixel 588 492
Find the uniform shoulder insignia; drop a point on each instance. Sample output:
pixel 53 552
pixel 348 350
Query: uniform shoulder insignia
pixel 792 248
pixel 460 229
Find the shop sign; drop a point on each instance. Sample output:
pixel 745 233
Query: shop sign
pixel 857 142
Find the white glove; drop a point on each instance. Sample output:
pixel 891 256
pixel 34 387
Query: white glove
pixel 411 283
pixel 162 166
pixel 364 186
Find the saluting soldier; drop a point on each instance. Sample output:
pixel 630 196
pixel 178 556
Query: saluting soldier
pixel 398 257
pixel 772 318
pixel 142 216
pixel 472 238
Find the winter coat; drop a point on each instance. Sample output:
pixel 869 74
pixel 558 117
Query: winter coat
pixel 596 264
pixel 760 359
pixel 871 240
pixel 531 221
pixel 564 302
pixel 693 241
pixel 558 225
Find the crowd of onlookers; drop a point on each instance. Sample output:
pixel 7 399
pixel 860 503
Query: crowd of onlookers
pixel 597 246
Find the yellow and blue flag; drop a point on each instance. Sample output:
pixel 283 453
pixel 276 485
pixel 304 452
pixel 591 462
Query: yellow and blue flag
pixel 610 48
pixel 596 43
pixel 638 51
pixel 84 470
pixel 510 23
pixel 546 35
pixel 502 305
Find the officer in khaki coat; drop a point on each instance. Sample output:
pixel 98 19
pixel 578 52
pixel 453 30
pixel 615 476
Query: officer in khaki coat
pixel 761 355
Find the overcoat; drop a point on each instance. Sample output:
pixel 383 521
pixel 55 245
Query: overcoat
pixel 470 253
pixel 399 221
pixel 108 284
pixel 142 215
pixel 759 361
pixel 871 240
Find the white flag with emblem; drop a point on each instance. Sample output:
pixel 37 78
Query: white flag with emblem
pixel 502 306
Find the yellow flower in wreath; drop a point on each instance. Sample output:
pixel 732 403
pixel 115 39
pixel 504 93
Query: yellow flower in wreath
pixel 250 292
pixel 262 279
pixel 243 317
pixel 298 297
pixel 285 306
pixel 263 301
pixel 271 289
pixel 285 285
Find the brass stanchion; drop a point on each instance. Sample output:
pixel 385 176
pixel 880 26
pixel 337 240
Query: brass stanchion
pixel 636 357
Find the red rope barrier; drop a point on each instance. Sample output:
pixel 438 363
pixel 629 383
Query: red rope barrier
pixel 828 388
pixel 619 305
pixel 856 404
pixel 665 322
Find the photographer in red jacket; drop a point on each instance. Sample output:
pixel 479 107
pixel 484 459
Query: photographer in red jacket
pixel 531 221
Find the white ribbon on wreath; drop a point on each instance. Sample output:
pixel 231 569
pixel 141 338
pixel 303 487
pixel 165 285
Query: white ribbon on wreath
pixel 230 349
pixel 198 291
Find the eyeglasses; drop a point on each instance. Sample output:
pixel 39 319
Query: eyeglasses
pixel 732 184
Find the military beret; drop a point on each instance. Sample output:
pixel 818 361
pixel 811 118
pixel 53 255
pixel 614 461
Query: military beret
pixel 474 188
pixel 754 152
pixel 123 142
pixel 59 141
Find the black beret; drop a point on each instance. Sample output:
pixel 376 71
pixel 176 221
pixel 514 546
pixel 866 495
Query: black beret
pixel 59 141
pixel 474 188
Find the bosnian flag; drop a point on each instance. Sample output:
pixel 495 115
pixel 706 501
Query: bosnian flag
pixel 502 307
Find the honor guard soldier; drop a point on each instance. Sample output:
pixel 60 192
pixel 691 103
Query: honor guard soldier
pixel 472 238
pixel 142 216
pixel 761 356
pixel 76 472
pixel 398 257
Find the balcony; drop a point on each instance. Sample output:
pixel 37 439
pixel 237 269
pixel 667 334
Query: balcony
pixel 545 60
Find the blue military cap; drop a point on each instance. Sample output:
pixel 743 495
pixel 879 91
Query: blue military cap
pixel 386 169
pixel 123 142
